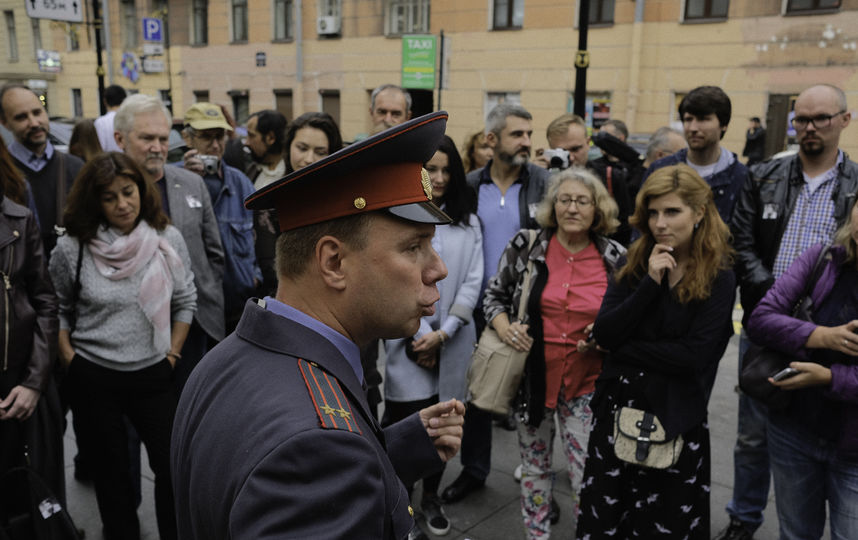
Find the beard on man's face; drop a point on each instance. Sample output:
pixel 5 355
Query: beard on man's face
pixel 517 159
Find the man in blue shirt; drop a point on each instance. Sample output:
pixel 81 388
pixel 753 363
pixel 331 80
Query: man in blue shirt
pixel 509 189
pixel 205 132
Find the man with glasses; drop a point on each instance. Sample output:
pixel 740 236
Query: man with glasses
pixel 205 133
pixel 786 206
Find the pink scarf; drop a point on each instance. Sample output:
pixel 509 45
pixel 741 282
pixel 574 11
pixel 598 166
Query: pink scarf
pixel 142 249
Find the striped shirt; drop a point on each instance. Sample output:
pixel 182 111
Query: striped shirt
pixel 812 219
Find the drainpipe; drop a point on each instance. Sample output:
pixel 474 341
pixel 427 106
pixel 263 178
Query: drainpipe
pixel 635 66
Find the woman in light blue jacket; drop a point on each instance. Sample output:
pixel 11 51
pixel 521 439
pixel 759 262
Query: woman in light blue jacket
pixel 434 363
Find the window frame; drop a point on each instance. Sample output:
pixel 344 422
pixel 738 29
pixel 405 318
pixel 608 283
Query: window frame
pixel 707 12
pixel 288 24
pixel 12 50
pixel 510 15
pixel 409 8
pixel 815 10
pixel 199 21
pixel 237 7
pixel 128 14
pixel 601 5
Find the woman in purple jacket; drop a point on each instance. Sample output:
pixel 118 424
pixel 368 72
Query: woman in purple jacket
pixel 813 444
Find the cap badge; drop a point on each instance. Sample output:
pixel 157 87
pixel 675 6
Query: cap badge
pixel 360 203
pixel 427 184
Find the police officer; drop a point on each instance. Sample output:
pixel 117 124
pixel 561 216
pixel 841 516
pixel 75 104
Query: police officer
pixel 274 437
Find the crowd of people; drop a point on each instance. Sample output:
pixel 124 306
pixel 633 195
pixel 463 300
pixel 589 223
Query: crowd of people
pixel 289 259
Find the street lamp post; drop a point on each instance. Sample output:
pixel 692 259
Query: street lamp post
pixel 582 58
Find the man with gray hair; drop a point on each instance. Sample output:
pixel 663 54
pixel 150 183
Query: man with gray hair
pixel 142 126
pixel 508 189
pixel 389 105
pixel 664 141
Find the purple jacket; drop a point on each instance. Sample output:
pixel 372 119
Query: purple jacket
pixel 772 326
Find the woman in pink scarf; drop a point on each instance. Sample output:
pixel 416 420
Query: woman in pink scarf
pixel 127 299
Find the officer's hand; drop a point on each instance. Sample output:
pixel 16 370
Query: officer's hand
pixel 443 422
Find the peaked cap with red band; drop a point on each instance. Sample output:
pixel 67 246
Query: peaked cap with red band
pixel 382 172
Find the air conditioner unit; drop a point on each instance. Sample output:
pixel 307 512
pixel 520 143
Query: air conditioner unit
pixel 328 25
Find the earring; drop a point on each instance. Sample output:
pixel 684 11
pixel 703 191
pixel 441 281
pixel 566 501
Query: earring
pixel 696 225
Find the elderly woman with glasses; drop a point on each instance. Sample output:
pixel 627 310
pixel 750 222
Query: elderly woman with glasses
pixel 573 259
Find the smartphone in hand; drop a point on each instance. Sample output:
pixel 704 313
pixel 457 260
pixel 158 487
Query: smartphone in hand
pixel 785 373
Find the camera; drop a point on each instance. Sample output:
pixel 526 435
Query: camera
pixel 209 164
pixel 557 158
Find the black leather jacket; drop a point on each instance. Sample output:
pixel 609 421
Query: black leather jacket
pixel 28 306
pixel 762 212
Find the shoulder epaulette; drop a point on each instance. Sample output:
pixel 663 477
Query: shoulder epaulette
pixel 332 405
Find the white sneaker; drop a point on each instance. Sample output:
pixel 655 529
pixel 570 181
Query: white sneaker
pixel 517 473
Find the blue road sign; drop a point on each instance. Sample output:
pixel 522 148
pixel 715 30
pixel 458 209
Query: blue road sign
pixel 152 29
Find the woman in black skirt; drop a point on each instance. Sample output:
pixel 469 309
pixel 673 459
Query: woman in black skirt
pixel 665 321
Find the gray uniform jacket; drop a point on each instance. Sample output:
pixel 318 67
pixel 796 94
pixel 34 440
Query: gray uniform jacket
pixel 192 213
pixel 273 438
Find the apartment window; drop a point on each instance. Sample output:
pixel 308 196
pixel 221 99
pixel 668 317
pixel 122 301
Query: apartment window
pixel 330 8
pixel 508 14
pixel 201 96
pixel 77 103
pixel 73 37
pixel 331 103
pixel 283 102
pixel 37 36
pixel 199 22
pixel 601 11
pixel 804 6
pixel 496 98
pixel 128 12
pixel 12 47
pixel 407 17
pixel 240 106
pixel 706 9
pixel 239 20
pixel 282 20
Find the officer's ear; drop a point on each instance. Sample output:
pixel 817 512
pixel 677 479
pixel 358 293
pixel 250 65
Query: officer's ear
pixel 329 261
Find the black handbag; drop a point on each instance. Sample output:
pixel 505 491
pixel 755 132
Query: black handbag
pixel 760 363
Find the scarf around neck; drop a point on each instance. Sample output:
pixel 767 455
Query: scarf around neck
pixel 120 256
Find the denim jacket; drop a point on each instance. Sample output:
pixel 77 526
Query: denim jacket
pixel 235 224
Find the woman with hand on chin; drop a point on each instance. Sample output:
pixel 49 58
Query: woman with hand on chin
pixel 665 322
pixel 572 260
pixel 434 363
pixel 127 297
pixel 813 443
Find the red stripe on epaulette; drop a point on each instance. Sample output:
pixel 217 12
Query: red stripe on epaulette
pixel 329 400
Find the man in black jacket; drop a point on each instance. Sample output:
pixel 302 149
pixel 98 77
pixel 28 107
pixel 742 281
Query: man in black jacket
pixel 816 187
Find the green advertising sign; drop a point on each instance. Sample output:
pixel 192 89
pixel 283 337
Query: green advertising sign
pixel 418 62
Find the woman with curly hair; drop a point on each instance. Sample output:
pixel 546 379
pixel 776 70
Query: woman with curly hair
pixel 664 322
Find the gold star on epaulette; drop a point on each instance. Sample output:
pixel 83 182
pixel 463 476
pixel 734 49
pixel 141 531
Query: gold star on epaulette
pixel 344 414
pixel 328 410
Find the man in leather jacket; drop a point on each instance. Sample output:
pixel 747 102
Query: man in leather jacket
pixel 818 186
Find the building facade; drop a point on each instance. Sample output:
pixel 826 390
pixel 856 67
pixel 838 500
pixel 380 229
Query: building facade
pixel 307 55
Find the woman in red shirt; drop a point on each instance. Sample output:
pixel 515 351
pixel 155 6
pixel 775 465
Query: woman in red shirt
pixel 572 259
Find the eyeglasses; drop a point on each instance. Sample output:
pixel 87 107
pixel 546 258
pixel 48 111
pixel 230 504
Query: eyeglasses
pixel 819 122
pixel 209 136
pixel 580 202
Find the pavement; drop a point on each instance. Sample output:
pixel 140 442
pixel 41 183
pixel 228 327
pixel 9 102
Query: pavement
pixel 493 513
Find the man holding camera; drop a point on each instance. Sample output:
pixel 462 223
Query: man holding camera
pixel 205 133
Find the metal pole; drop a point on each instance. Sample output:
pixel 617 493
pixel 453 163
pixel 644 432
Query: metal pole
pixel 582 58
pixel 105 23
pixel 441 72
pixel 96 18
pixel 165 26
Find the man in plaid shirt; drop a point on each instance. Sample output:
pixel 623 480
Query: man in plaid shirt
pixel 787 205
